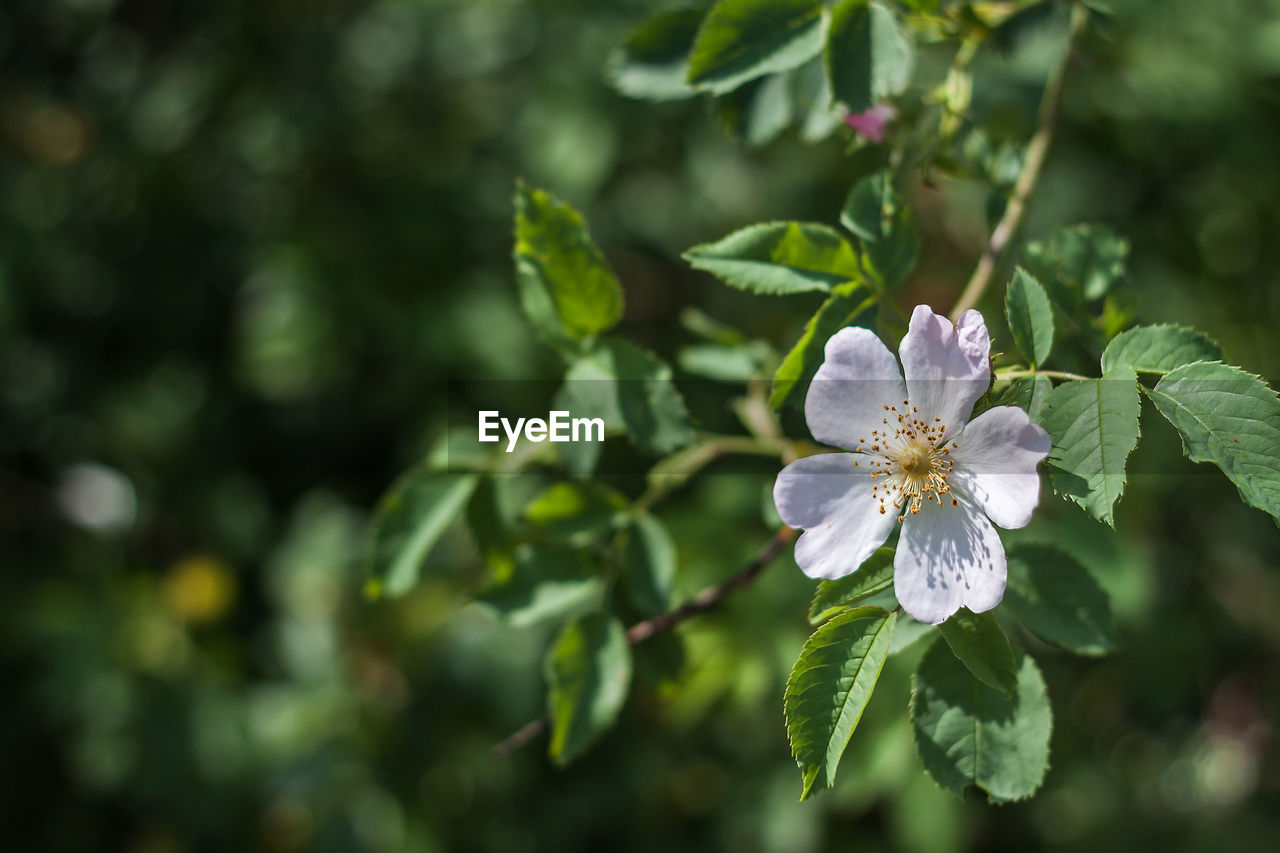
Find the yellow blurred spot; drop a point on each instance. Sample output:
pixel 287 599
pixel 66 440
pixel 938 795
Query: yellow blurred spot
pixel 199 589
pixel 373 589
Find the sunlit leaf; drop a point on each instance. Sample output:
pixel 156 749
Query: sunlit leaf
pixel 1159 349
pixel 779 258
pixel 1030 316
pixel 829 688
pixel 567 289
pixel 1230 418
pixel 873 576
pixel 409 521
pixel 1094 425
pixel 744 39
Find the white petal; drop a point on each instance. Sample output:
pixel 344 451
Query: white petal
pixel 948 556
pixel 948 366
pixel 995 464
pixel 830 498
pixel 848 394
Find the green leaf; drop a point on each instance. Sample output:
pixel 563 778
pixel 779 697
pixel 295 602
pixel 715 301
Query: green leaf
pixel 968 733
pixel 1030 316
pixel 1078 263
pixel 866 56
pixel 847 305
pixel 576 511
pixel 829 688
pixel 977 641
pixel 541 583
pixel 652 62
pixel 1230 418
pixel 873 212
pixel 872 577
pixel 744 39
pixel 1159 349
pixel 727 363
pixel 1059 600
pixel 779 258
pixel 491 517
pixel 567 289
pixel 909 632
pixel 408 522
pixel 1094 425
pixel 649 564
pixel 628 387
pixel 1026 392
pixel 588 672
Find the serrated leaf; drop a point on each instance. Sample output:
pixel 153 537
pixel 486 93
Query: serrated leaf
pixel 1078 263
pixel 1230 418
pixel 872 577
pixel 1159 349
pixel 1059 600
pixel 1030 316
pixel 829 688
pixel 1094 425
pixel 779 258
pixel 588 671
pixel 977 642
pixel 648 564
pixel 629 388
pixel 408 522
pixel 866 56
pixel 567 289
pixel 970 734
pixel 652 62
pixel 741 40
pixel 847 305
pixel 541 583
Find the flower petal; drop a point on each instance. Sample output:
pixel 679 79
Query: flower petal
pixel 995 464
pixel 829 495
pixel 948 556
pixel 947 365
pixel 847 396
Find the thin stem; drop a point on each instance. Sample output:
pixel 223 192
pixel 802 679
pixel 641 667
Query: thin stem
pixel 1052 374
pixel 1037 153
pixel 642 631
pixel 678 468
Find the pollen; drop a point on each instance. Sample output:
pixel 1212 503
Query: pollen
pixel 913 465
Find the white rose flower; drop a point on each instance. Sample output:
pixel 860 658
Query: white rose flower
pixel 917 461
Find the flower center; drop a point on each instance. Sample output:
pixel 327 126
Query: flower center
pixel 914 461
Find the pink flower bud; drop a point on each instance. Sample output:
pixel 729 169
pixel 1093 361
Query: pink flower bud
pixel 871 124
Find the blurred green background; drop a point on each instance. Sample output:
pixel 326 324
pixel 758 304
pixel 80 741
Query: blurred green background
pixel 249 252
